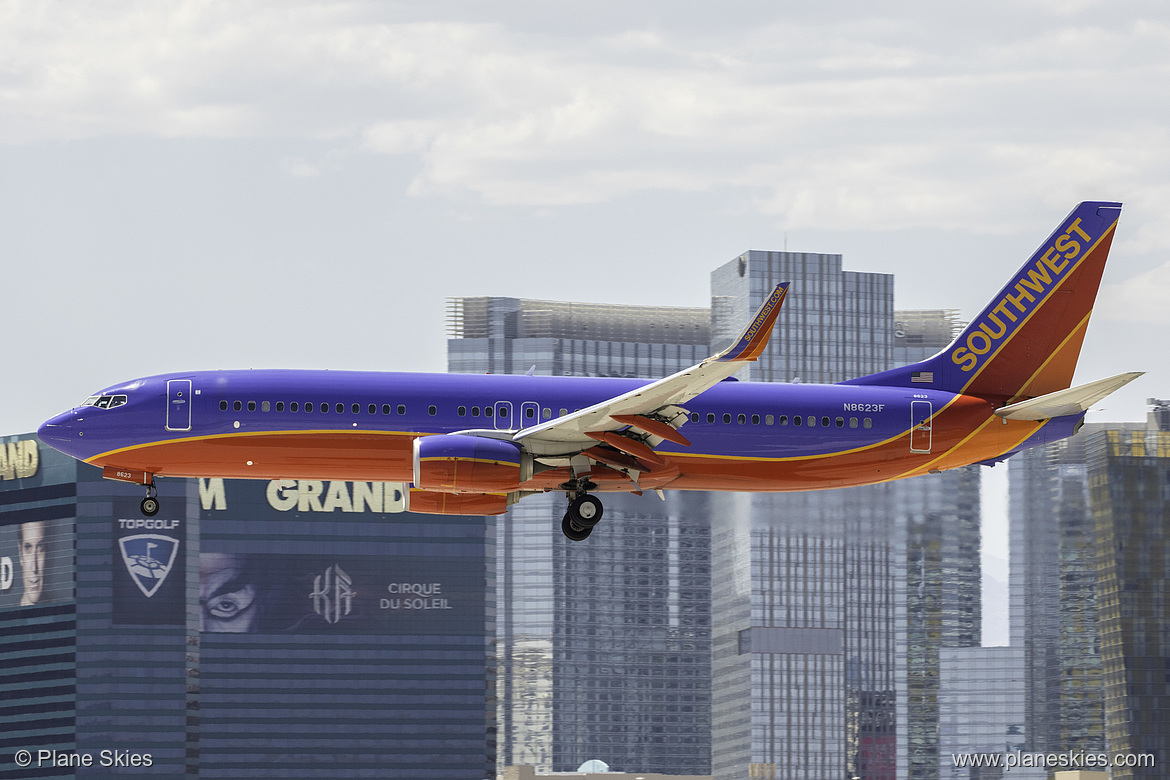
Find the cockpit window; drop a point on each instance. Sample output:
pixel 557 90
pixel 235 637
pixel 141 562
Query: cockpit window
pixel 105 401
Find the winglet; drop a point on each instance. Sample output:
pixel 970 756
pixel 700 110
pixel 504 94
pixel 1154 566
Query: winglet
pixel 750 344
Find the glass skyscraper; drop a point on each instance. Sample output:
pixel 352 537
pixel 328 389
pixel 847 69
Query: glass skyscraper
pixel 1089 575
pixel 1055 596
pixel 1129 485
pixel 603 647
pixel 981 711
pixel 560 338
pixel 830 608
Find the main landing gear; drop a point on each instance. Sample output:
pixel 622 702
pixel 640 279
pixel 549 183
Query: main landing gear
pixel 150 505
pixel 584 512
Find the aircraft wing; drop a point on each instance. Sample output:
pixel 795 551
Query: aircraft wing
pixel 654 410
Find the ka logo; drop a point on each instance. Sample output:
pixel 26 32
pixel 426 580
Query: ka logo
pixel 148 558
pixel 333 594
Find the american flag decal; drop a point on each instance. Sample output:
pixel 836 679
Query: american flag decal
pixel 922 376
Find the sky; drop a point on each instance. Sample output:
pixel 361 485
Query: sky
pixel 196 185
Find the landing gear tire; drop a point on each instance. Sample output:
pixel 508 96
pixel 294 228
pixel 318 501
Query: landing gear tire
pixel 149 506
pixel 585 510
pixel 573 531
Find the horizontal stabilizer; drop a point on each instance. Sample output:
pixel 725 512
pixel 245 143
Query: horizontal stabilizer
pixel 1074 400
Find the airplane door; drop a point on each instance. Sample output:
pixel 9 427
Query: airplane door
pixel 178 404
pixel 920 426
pixel 503 416
pixel 529 414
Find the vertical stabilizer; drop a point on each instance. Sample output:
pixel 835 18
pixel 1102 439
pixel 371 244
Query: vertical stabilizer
pixel 1026 341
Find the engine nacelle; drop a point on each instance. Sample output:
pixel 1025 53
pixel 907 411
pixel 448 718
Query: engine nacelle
pixel 433 502
pixel 461 463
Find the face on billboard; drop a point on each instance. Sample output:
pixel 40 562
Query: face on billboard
pixel 36 563
pixel 32 562
pixel 227 594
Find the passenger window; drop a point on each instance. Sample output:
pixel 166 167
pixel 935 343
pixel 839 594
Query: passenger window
pixel 694 416
pixel 462 411
pixel 710 417
pixel 769 419
pixel 402 408
pixel 251 406
pixel 280 406
pixel 797 420
pixel 223 406
pixel 852 422
pixel 824 422
pixel 432 411
pixel 372 409
pixel 324 408
pixel 783 419
pixel 265 406
pixel 355 409
pixel 294 407
pixel 755 419
pixel 726 418
pixel 339 408
pixel 385 408
pixel 503 411
pixel 840 422
pixel 475 411
pixel 867 422
pixel 308 406
pixel 546 413
pixel 488 411
pixel 563 412
pixel 529 413
pixel 812 421
pixel 741 419
pixel 237 406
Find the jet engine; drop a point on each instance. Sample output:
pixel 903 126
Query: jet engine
pixel 463 463
pixel 434 502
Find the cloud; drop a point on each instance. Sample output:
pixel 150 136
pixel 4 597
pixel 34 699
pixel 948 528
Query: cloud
pixel 890 119
pixel 1140 299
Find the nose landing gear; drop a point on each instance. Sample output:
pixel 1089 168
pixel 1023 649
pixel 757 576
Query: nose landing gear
pixel 584 512
pixel 150 505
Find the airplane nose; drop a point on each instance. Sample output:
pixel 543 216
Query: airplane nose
pixel 59 432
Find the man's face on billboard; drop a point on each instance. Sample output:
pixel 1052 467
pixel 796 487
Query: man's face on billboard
pixel 32 561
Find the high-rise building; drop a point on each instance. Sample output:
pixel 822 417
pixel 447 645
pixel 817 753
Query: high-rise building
pixel 1090 578
pixel 558 338
pixel 835 324
pixel 294 628
pixel 829 609
pixel 1129 487
pixel 981 712
pixel 603 647
pixel 1054 597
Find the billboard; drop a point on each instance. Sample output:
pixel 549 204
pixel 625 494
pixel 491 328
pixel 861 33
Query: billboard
pixel 149 571
pixel 36 561
pixel 355 594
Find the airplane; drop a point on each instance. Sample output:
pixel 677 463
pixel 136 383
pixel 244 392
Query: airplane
pixel 476 444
